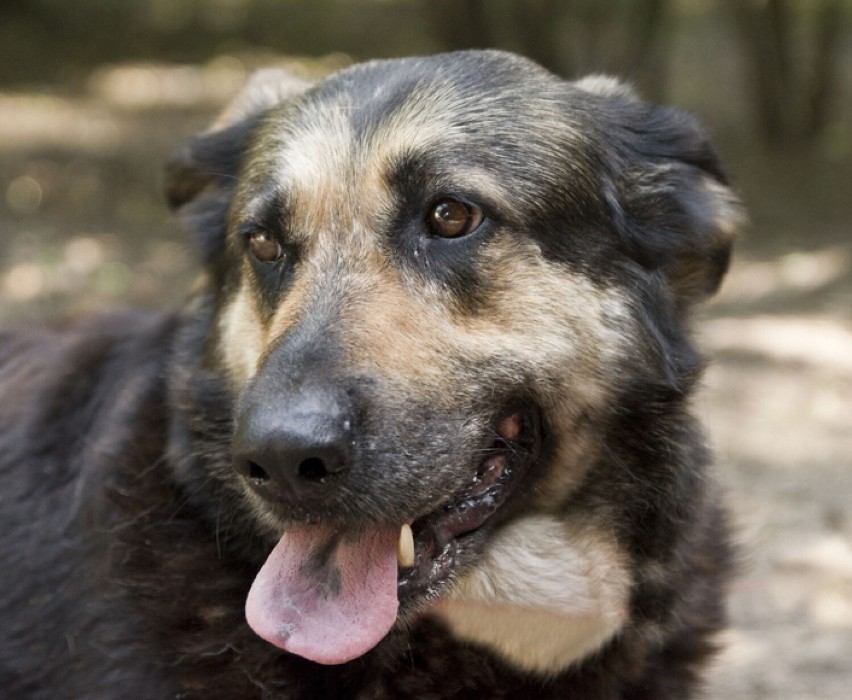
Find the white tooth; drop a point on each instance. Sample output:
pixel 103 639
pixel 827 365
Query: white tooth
pixel 405 547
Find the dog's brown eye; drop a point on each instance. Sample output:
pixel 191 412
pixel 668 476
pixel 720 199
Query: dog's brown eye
pixel 264 246
pixel 452 218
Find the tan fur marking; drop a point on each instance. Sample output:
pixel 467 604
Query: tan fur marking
pixel 608 86
pixel 288 312
pixel 545 595
pixel 416 125
pixel 730 216
pixel 242 337
pixel 415 331
pixel 315 162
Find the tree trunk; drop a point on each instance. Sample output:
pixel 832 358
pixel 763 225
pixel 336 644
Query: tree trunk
pixel 791 98
pixel 824 75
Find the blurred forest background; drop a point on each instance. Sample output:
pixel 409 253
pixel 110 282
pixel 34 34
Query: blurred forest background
pixel 95 95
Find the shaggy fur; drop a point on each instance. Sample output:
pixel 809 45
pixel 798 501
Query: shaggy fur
pixel 548 344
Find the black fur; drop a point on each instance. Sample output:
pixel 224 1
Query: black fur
pixel 127 547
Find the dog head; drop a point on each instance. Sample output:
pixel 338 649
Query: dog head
pixel 431 281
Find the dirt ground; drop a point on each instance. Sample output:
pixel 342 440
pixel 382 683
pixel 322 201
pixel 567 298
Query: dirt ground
pixel 83 227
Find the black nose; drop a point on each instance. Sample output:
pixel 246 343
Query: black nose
pixel 294 450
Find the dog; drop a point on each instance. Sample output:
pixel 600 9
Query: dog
pixel 422 428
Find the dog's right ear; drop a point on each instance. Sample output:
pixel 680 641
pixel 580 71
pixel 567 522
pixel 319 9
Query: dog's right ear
pixel 201 178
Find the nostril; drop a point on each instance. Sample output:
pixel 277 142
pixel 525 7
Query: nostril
pixel 256 472
pixel 313 469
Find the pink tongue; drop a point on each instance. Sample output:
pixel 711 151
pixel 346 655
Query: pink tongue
pixel 325 596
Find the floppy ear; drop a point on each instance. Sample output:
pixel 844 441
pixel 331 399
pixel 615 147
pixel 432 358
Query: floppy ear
pixel 669 197
pixel 201 177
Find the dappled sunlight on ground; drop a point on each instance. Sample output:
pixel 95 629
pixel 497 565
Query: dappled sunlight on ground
pixel 819 342
pixel 778 403
pixel 796 272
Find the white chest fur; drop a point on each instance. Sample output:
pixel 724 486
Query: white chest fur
pixel 547 593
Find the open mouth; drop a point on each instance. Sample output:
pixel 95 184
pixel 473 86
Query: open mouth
pixel 331 595
pixel 433 546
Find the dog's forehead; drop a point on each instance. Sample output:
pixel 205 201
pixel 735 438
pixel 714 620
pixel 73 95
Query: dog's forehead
pixel 472 91
pixel 336 149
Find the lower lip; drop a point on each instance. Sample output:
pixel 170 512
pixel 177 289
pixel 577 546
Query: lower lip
pixel 437 548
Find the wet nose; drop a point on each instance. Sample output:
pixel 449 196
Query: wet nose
pixel 295 450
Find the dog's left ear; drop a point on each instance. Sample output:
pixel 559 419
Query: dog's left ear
pixel 668 193
pixel 201 177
